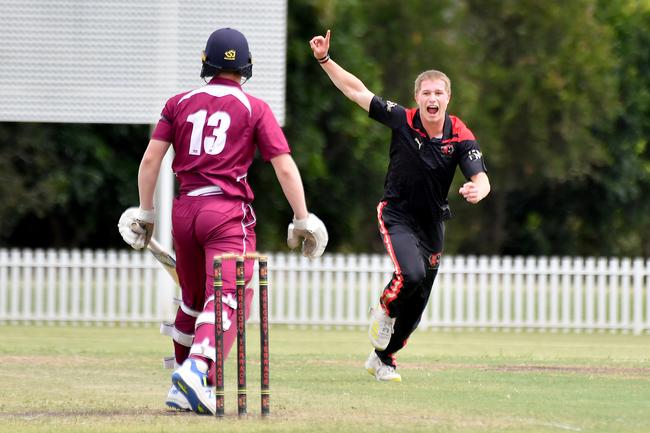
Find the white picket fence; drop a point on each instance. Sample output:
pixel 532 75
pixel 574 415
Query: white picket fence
pixel 544 293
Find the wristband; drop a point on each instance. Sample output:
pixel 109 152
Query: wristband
pixel 324 59
pixel 148 216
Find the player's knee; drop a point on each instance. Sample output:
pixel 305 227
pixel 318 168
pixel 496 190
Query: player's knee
pixel 414 275
pixel 184 322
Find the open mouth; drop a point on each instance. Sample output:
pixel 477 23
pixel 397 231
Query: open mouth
pixel 433 109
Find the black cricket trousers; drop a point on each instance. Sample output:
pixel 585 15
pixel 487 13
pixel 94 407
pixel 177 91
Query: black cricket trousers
pixel 415 250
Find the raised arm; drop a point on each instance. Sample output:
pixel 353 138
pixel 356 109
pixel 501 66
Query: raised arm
pixel 347 83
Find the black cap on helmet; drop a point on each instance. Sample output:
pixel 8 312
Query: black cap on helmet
pixel 227 50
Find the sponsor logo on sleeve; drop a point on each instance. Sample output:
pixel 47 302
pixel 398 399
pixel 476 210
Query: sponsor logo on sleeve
pixel 474 154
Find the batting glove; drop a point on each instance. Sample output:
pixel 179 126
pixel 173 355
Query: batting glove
pixel 311 233
pixel 136 227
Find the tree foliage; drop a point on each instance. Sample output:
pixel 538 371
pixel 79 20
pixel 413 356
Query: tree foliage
pixel 342 154
pixel 558 95
pixel 66 185
pixel 623 186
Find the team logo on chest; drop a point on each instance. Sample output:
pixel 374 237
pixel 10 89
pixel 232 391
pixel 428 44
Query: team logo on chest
pixel 447 149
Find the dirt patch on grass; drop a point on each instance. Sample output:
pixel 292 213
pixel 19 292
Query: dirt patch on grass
pixel 538 368
pixel 506 368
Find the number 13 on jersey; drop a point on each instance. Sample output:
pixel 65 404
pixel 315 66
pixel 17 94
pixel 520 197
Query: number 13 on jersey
pixel 214 142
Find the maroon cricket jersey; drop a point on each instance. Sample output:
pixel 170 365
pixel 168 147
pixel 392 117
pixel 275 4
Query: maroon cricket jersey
pixel 215 130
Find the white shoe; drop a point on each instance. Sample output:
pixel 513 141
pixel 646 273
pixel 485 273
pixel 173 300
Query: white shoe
pixel 380 329
pixel 381 371
pixel 191 381
pixel 176 400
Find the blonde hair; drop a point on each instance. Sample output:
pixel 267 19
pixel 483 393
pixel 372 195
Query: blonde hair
pixel 432 74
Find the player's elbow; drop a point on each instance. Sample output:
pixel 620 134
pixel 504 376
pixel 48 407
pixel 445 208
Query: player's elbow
pixel 361 97
pixel 284 166
pixel 153 155
pixel 148 165
pixel 350 93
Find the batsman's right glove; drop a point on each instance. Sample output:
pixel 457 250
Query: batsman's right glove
pixel 136 227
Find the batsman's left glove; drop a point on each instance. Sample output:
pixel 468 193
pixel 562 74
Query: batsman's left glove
pixel 311 233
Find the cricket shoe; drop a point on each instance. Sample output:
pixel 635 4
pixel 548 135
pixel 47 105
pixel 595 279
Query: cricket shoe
pixel 381 328
pixel 176 400
pixel 382 372
pixel 191 380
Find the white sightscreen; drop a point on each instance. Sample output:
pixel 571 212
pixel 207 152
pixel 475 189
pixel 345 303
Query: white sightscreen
pixel 113 61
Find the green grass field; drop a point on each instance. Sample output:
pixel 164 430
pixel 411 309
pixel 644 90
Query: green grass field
pixel 110 379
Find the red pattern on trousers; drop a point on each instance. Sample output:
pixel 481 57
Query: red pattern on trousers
pixel 397 282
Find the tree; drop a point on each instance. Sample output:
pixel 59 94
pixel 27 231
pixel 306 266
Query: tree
pixel 63 185
pixel 341 153
pixel 558 95
pixel 543 70
pixel 624 185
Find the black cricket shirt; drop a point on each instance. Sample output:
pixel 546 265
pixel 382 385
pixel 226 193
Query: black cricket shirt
pixel 421 168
